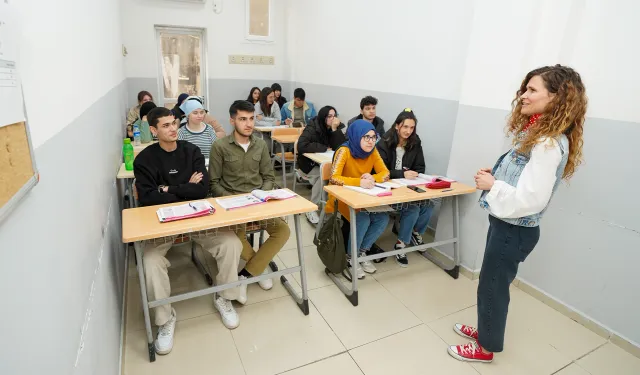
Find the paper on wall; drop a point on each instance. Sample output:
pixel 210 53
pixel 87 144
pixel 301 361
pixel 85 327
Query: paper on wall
pixel 10 89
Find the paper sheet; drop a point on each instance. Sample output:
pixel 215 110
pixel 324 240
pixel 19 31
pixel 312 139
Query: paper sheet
pixel 10 90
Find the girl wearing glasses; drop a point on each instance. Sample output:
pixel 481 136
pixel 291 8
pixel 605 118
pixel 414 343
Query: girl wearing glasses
pixel 401 150
pixel 352 165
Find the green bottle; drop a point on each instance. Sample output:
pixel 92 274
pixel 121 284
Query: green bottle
pixel 127 151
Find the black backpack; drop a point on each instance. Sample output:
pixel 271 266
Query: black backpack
pixel 330 244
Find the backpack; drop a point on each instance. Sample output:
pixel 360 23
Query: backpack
pixel 330 244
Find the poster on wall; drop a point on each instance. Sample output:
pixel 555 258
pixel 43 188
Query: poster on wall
pixel 10 89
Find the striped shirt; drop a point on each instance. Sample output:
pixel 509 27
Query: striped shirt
pixel 203 139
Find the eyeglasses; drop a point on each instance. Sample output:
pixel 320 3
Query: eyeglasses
pixel 370 138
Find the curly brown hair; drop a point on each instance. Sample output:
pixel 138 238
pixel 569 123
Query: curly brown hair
pixel 565 113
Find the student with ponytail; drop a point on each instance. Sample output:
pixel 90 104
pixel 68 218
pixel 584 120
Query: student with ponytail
pixel 546 122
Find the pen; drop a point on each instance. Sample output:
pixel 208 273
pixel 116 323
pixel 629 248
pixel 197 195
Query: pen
pixel 192 206
pixel 380 186
pixel 446 190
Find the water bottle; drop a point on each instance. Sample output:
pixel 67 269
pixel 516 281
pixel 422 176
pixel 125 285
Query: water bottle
pixel 127 151
pixel 136 134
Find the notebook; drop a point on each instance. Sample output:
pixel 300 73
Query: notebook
pixel 185 211
pixel 256 197
pixel 375 191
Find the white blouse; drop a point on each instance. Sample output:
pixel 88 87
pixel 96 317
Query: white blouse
pixel 534 188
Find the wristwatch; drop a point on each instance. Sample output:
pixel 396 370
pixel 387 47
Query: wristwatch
pixel 160 187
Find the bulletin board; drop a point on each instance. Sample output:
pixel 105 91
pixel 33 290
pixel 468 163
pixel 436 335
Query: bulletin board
pixel 18 172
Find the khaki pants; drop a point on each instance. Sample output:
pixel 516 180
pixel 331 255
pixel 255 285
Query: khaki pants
pixel 257 262
pixel 224 247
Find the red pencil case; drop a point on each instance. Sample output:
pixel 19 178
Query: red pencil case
pixel 438 184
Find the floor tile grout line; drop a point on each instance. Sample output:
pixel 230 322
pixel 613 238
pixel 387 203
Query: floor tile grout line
pixel 238 351
pixel 590 352
pixel 455 312
pixel 328 325
pixel 387 336
pixel 356 362
pixel 310 363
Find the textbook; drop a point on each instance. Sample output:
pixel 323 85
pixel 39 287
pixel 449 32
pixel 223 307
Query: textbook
pixel 375 191
pixel 185 211
pixel 256 197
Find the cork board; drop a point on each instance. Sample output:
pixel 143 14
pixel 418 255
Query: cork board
pixel 16 166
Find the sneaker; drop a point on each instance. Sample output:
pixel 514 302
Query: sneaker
pixel 367 266
pixel 471 352
pixel 416 240
pixel 466 331
pixel 266 284
pixel 164 340
pixel 230 317
pixel 401 259
pixel 242 291
pixel 313 217
pixel 359 271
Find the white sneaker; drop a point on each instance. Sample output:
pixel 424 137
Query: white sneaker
pixel 242 291
pixel 367 266
pixel 313 217
pixel 230 317
pixel 266 284
pixel 164 340
pixel 359 271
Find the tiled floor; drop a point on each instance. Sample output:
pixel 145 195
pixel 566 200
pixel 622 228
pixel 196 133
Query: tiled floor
pixel 401 326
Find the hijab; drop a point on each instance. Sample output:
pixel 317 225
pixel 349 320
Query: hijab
pixel 355 132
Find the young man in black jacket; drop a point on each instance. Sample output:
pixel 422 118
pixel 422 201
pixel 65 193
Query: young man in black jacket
pixel 325 132
pixel 401 150
pixel 368 112
pixel 173 171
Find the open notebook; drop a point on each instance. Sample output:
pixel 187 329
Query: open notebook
pixel 256 197
pixel 422 179
pixel 375 191
pixel 185 211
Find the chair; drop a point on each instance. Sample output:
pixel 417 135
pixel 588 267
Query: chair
pixel 297 172
pixel 289 157
pixel 325 175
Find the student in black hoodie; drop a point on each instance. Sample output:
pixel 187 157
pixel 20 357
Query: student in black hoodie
pixel 401 150
pixel 368 112
pixel 324 132
pixel 172 171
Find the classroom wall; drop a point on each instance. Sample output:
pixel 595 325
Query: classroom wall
pixel 405 53
pixel 225 34
pixel 587 255
pixel 62 268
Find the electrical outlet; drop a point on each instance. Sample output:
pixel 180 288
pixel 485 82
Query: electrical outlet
pixel 253 60
pixel 233 59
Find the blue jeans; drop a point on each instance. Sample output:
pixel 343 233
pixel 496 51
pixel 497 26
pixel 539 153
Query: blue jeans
pixel 369 227
pixel 414 218
pixel 507 246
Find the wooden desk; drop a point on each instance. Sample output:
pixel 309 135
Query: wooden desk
pixel 137 149
pixel 284 139
pixel 403 196
pixel 319 157
pixel 139 224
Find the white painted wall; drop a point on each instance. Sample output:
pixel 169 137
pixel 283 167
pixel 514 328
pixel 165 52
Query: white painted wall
pixel 60 247
pixel 407 47
pixel 67 64
pixel 225 33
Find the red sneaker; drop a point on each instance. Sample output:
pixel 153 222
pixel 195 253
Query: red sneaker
pixel 471 352
pixel 466 331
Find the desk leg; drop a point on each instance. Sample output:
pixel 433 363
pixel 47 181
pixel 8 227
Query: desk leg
pixel 284 167
pixel 351 294
pixel 132 200
pixel 454 271
pixel 145 305
pixel 303 303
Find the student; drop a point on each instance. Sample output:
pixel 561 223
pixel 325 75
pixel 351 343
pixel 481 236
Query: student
pixel 352 163
pixel 277 90
pixel 368 112
pixel 143 125
pixel 323 133
pixel 196 131
pixel 208 119
pixel 547 122
pixel 299 112
pixel 254 95
pixel 177 112
pixel 401 150
pixel 173 171
pixel 134 112
pixel 240 163
pixel 267 110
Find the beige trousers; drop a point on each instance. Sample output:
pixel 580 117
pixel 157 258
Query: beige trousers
pixel 225 249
